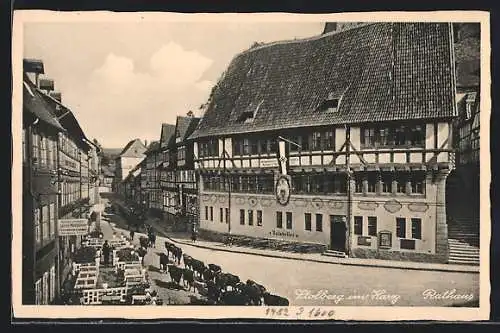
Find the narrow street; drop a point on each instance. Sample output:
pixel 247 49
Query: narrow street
pixel 308 283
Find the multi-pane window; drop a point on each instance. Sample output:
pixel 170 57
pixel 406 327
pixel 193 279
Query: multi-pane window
pixel 289 220
pixel 358 183
pixel 38 226
pixel 259 218
pixel 401 227
pixel 52 283
pixel 307 221
pixel 417 182
pixel 45 223
pixel 393 136
pixel 242 216
pixel 43 151
pixel 45 288
pixel 386 182
pixel 358 225
pixel 38 292
pixel 328 140
pixel 319 183
pixel 372 225
pixel 52 216
pixel 402 178
pixel 250 217
pixel 372 182
pixel 316 141
pixel 207 148
pixel 279 220
pixel 36 151
pixel 416 228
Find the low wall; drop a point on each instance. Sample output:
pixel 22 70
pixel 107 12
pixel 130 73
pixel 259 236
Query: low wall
pixel 263 243
pixel 396 255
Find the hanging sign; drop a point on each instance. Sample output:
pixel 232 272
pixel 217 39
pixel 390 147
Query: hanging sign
pixel 73 227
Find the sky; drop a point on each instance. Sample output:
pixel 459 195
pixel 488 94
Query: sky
pixel 123 80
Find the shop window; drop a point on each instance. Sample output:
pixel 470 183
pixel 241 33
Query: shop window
pixel 401 227
pixel 242 216
pixel 307 221
pixel 289 220
pixel 416 228
pixel 372 225
pixel 250 217
pixel 279 220
pixel 358 225
pixel 259 218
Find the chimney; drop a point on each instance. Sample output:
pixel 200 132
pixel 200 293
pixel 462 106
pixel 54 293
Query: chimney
pixel 34 66
pixel 146 143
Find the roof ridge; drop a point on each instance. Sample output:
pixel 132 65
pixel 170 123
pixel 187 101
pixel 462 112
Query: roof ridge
pixel 306 39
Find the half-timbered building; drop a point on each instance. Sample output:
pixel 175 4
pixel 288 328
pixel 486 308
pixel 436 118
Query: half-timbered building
pixel 340 141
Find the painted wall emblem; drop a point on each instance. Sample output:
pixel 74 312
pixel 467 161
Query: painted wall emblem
pixel 213 198
pixel 240 200
pixel 205 197
pixel 418 207
pixel 300 202
pixel 317 203
pixel 335 204
pixel 392 206
pixel 222 198
pixel 367 205
pixel 252 201
pixel 266 202
pixel 283 190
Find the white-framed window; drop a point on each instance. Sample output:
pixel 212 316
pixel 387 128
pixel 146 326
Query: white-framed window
pixel 45 288
pixel 38 231
pixel 43 151
pixel 52 283
pixel 36 151
pixel 52 216
pixel 45 223
pixel 38 292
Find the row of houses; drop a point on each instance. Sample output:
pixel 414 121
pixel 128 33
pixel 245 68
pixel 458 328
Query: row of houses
pixel 343 142
pixel 162 177
pixel 60 174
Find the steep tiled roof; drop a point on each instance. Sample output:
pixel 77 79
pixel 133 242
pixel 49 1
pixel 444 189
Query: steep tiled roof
pixel 134 148
pixel 34 103
pixel 153 146
pixel 167 131
pixel 382 71
pixel 185 126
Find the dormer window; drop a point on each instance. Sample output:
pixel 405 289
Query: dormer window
pixel 332 105
pixel 246 117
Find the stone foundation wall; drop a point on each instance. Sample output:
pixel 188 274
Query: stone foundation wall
pixel 262 243
pixel 396 255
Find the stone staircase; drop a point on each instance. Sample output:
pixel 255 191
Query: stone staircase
pixel 335 254
pixel 462 253
pixel 463 240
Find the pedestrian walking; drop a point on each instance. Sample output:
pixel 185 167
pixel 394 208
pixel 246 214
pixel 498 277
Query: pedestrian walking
pixel 132 233
pixel 152 238
pixel 194 235
pixel 105 252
